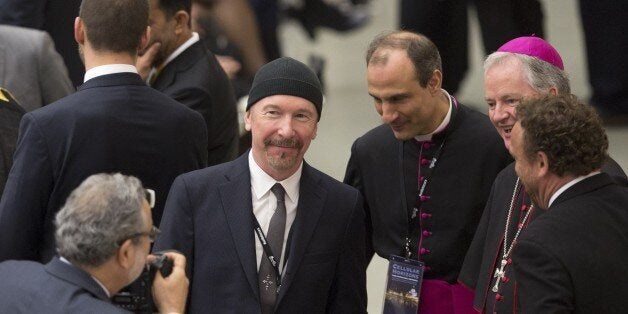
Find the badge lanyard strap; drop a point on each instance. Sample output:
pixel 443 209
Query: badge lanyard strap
pixel 267 250
pixel 413 219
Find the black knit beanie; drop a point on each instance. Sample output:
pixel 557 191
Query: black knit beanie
pixel 286 76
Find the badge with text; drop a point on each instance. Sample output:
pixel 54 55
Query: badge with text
pixel 403 286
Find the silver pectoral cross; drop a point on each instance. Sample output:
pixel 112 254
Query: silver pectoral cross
pixel 499 274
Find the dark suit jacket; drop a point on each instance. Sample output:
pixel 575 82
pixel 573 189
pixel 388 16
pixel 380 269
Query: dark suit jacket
pixel 572 259
pixel 113 123
pixel 10 115
pixel 385 173
pixel 195 79
pixel 486 251
pixel 208 218
pixel 55 288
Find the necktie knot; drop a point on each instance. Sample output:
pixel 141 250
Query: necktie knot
pixel 279 192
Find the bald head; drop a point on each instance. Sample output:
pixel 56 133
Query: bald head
pixel 420 50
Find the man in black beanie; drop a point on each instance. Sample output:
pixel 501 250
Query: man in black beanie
pixel 267 232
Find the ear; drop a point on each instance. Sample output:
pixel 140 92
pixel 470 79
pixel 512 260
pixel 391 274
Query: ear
pixel 315 131
pixel 247 120
pixel 542 164
pixel 553 91
pixel 181 19
pixel 145 39
pixel 126 253
pixel 79 31
pixel 435 82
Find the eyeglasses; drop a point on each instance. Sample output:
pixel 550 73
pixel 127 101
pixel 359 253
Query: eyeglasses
pixel 152 235
pixel 150 197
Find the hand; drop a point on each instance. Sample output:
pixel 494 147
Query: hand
pixel 230 65
pixel 145 61
pixel 170 294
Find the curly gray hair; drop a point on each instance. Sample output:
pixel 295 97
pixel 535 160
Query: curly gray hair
pixel 104 210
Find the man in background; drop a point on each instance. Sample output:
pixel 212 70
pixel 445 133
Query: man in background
pixel 185 70
pixel 114 122
pixel 31 67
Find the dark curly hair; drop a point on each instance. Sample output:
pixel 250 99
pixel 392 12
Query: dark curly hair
pixel 568 131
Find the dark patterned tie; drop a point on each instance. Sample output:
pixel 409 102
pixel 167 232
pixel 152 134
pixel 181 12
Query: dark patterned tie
pixel 274 236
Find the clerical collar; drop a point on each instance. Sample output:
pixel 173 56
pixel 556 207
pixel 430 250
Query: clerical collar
pixel 261 182
pixel 108 69
pixel 568 185
pixel 442 126
pixel 181 49
pixel 63 259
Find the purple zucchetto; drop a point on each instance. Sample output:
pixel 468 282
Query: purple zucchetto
pixel 534 47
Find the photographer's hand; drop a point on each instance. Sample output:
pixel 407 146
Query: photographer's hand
pixel 170 293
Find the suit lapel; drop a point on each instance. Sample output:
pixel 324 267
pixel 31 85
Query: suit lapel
pixel 180 64
pixel 238 208
pixel 311 201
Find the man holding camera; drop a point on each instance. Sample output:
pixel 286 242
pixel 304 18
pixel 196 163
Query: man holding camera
pixel 103 236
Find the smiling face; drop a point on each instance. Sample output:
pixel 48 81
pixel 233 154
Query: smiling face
pixel 505 86
pixel 400 100
pixel 282 128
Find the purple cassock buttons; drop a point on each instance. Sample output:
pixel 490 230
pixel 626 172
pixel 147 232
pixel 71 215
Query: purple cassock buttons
pixel 424 251
pixel 424 198
pixel 426 215
pixel 426 233
pixel 425 161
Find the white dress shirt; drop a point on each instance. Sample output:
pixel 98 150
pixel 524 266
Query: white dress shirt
pixel 265 203
pixel 108 69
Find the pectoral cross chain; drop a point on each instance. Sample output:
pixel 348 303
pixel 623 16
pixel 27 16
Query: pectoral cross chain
pixel 499 274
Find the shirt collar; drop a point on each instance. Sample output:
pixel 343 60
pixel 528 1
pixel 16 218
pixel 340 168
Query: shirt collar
pixel 441 127
pixel 181 49
pixel 108 69
pixel 262 182
pixel 63 259
pixel 568 185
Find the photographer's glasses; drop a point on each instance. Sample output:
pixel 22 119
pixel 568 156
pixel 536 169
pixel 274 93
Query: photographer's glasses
pixel 154 231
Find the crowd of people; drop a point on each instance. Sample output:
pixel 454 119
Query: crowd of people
pixel 520 210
